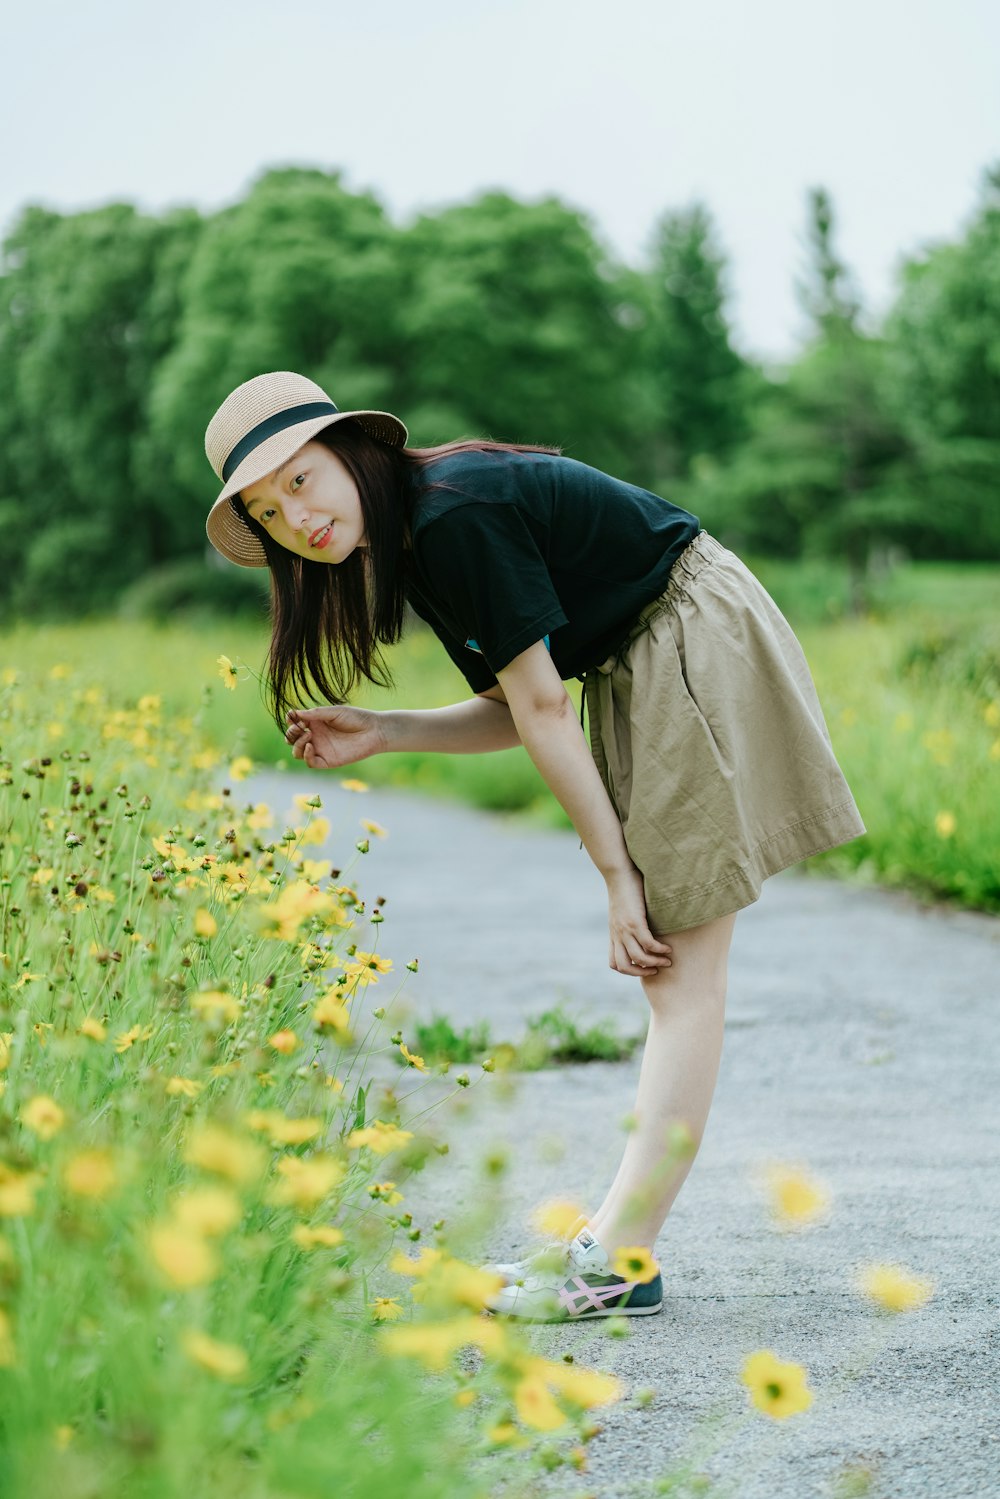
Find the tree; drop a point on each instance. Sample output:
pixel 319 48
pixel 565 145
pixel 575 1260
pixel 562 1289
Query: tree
pixel 697 381
pixel 518 327
pixel 80 335
pixel 944 383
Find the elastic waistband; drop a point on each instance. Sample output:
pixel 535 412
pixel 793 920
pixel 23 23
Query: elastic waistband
pixel 699 553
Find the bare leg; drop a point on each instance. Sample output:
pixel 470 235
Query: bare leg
pixel 680 1065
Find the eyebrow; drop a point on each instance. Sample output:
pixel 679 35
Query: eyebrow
pixel 277 474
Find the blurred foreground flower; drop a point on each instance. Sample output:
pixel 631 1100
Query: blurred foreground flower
pixel 894 1288
pixel 795 1198
pixel 43 1116
pixel 559 1218
pixel 777 1389
pixel 634 1262
pixel 223 1359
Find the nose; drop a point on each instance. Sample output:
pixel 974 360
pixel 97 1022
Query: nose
pixel 297 516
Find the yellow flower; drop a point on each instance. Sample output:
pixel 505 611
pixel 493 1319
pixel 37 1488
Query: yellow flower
pixel 402 1264
pixel 216 1005
pixel 373 827
pixel 8 1354
pixel 318 831
pixel 385 1192
pixel 241 767
pixel 944 824
pixel 332 1011
pixel 535 1405
pixel 506 1434
pixel 305 1181
pixel 216 1149
pixel 411 1060
pixel 182 1256
pixel 17 1192
pixel 995 750
pixel 453 1283
pixel 207 1210
pixel 284 1042
pixel 185 1087
pixel 43 1116
pixel 379 1136
pixel 351 785
pixel 205 924
pixel 60 671
pixel 42 876
pixel 128 1038
pixel 314 870
pixel 777 1389
pixel 94 1029
pixel 367 966
pixel 227 671
pixel 634 1263
pixel 385 1309
pixel 559 1218
pixel 151 702
pixel 281 1129
pixel 6 1037
pixel 312 1238
pixel 991 713
pixel 894 1288
pixel 583 1387
pixel 225 1360
pixel 795 1197
pixel 91 1173
pixel 903 723
pixel 298 901
pixel 435 1342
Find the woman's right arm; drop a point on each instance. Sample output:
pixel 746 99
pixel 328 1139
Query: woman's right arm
pixel 327 738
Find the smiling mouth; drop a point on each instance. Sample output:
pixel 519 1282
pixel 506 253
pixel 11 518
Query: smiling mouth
pixel 322 536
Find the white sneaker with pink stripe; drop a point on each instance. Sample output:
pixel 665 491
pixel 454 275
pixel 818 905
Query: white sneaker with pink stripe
pixel 584 1286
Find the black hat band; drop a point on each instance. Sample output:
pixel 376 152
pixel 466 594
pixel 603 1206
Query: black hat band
pixel 269 426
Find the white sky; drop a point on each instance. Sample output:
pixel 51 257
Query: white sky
pixel 621 109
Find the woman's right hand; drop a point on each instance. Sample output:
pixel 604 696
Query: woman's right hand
pixel 326 738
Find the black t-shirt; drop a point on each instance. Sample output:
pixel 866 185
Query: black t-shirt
pixel 534 546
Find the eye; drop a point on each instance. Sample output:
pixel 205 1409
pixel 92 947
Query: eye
pixel 296 480
pixel 265 515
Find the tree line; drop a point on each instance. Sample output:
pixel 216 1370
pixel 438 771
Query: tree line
pixel 120 333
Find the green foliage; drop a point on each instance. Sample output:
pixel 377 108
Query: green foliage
pixel 193 586
pixel 554 1036
pixel 438 1041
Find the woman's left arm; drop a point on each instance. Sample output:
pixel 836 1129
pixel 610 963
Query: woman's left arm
pixel 546 722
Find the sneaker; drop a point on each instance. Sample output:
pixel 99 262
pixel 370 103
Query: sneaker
pixel 549 1257
pixel 585 1286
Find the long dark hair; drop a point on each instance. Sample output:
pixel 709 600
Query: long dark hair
pixel 329 620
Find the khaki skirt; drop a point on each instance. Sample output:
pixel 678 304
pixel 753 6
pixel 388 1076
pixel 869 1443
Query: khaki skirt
pixel 710 739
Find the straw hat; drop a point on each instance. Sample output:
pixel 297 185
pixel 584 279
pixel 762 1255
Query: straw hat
pixel 259 425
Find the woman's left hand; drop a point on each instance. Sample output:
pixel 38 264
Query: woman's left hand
pixel 634 950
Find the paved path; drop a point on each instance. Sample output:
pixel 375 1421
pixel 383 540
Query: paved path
pixel 861 1039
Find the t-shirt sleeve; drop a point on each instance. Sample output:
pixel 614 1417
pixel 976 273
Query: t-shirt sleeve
pixel 483 561
pixel 471 664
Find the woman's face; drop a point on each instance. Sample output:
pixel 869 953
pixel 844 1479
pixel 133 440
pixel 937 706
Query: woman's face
pixel 310 505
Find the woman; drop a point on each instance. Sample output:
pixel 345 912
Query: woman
pixel 709 766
